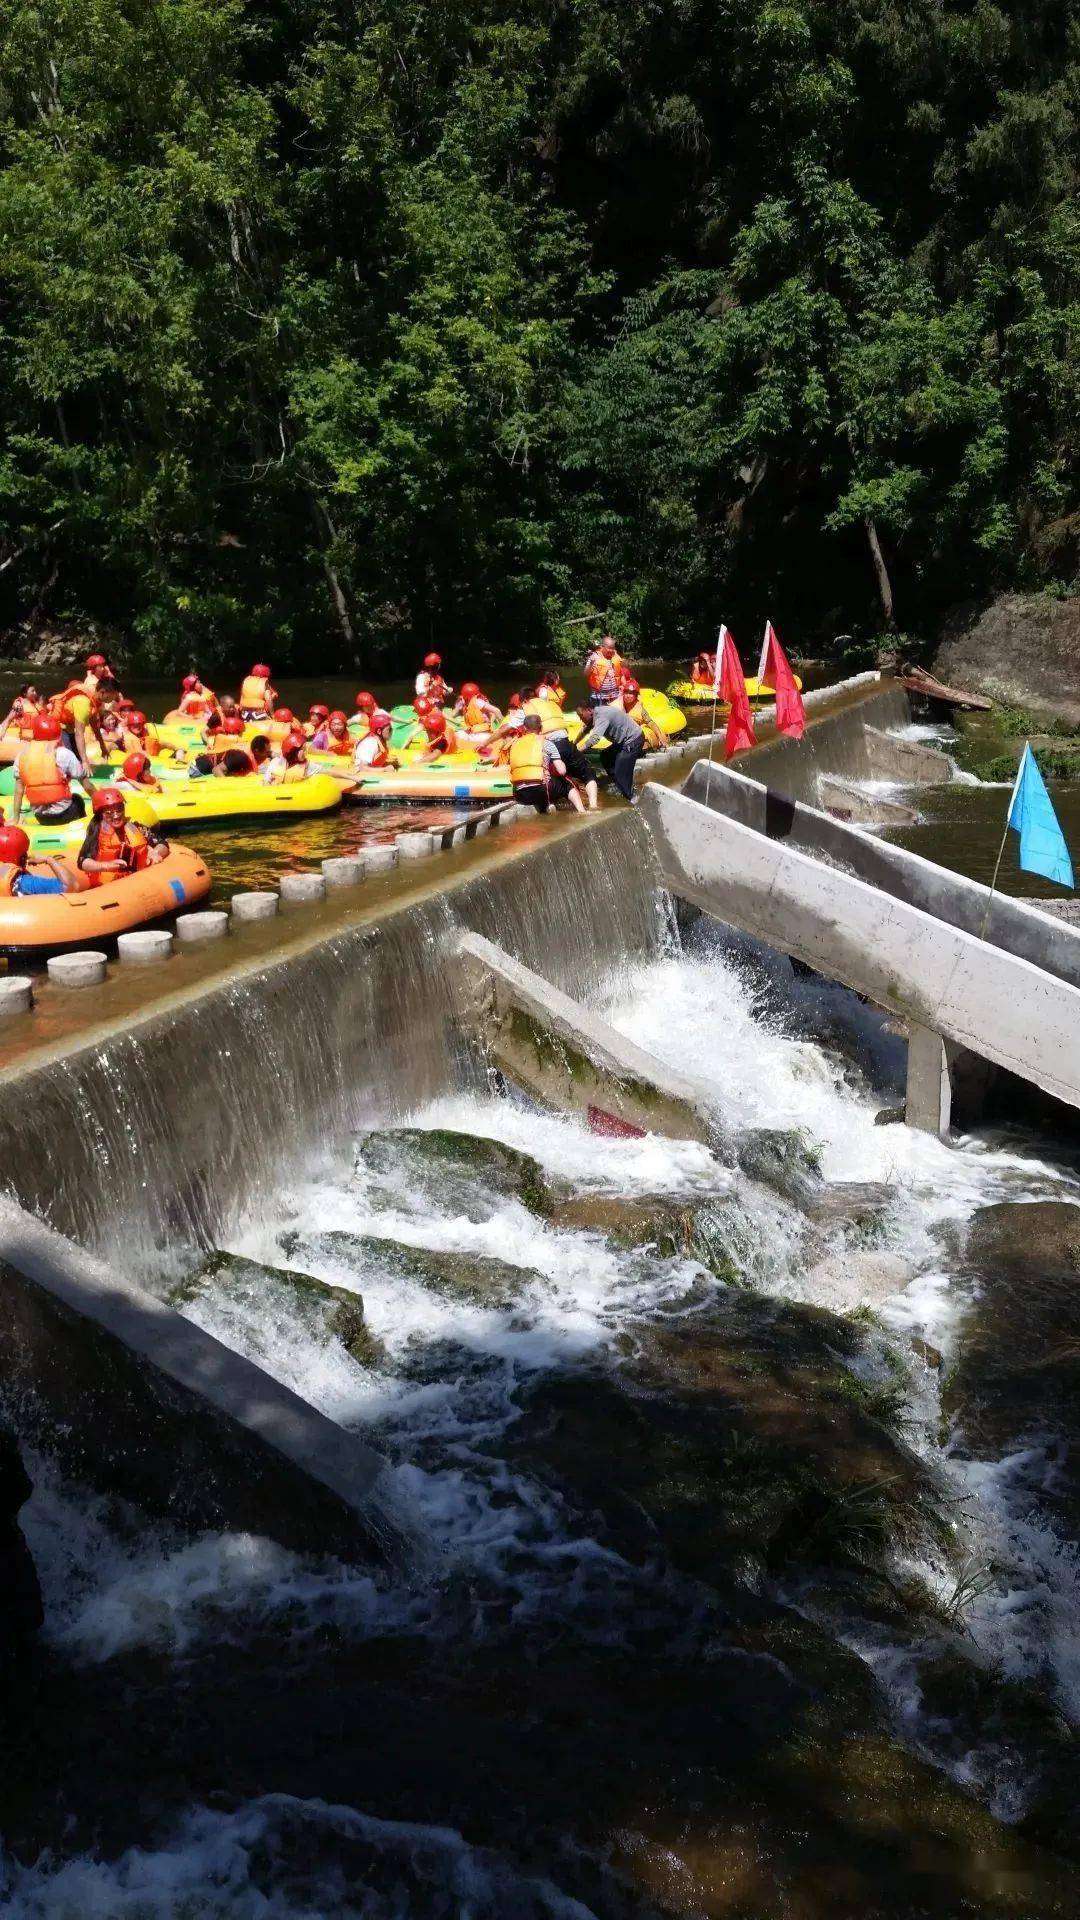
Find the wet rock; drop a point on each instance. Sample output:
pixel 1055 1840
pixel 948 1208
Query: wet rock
pixel 847 1278
pixel 785 1159
pixel 334 1312
pixel 449 1164
pixel 857 1204
pixel 21 1611
pixel 671 1229
pixel 475 1277
pixel 930 1356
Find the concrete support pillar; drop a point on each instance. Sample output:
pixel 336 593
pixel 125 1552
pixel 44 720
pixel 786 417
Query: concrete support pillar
pixel 929 1082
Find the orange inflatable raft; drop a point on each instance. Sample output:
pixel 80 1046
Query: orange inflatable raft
pixel 59 920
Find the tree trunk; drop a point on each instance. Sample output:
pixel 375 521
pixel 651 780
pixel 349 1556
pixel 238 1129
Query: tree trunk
pixel 333 580
pixel 884 584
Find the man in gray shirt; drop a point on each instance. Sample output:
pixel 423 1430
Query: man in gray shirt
pixel 627 740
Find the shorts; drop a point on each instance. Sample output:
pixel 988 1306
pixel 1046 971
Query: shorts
pixel 575 762
pixel 533 793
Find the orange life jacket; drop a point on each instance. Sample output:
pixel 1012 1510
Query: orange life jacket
pixel 28 713
pixel 58 704
pixel 476 717
pixel 197 706
pixel 277 730
pixel 601 673
pixel 527 759
pixel 344 746
pixel 43 783
pixel 253 694
pixel 128 843
pixel 446 741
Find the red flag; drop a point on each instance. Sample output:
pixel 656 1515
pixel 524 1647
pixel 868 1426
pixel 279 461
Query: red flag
pixel 740 727
pixel 775 672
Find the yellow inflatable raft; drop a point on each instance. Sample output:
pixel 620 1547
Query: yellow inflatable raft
pixel 53 921
pixel 691 694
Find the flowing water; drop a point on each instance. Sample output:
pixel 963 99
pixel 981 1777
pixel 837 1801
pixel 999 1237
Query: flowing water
pixel 753 1584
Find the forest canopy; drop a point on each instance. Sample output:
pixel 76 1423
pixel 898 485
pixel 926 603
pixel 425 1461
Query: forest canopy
pixel 340 327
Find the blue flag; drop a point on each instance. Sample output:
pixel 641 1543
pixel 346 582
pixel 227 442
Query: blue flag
pixel 1032 816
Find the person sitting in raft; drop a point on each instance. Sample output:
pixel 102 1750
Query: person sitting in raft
pixel 45 770
pixel 537 771
pixel 318 715
pixel 140 736
pixel 197 702
pixel 257 697
pixel 429 681
pixel 114 845
pixel 703 671
pixel 373 751
pixel 627 741
pixel 16 882
pixel 365 704
pixel 655 737
pixel 602 670
pixel 289 764
pixel 479 715
pixel 440 736
pixel 22 713
pixel 282 722
pixel 137 775
pixel 334 736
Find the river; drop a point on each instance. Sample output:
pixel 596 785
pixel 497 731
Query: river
pixel 751 1584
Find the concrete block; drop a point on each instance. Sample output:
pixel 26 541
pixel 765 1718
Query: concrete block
pixel 16 994
pixel 210 925
pixel 929 1085
pixel 413 846
pixel 257 905
pixel 345 870
pixel 454 837
pixel 482 824
pixel 77 969
pixel 302 889
pixel 380 859
pixel 136 949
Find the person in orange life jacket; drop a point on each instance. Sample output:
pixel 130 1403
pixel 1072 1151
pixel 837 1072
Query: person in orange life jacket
pixel 429 680
pixel 289 764
pixel 137 776
pixel 653 731
pixel 139 735
pixel 334 736
pixel 257 697
pixel 703 671
pixel 77 709
pixel 373 751
pixel 44 772
pixel 478 713
pixel 441 737
pixel 22 713
pixel 602 669
pixel 114 845
pixel 627 741
pixel 318 715
pixel 226 736
pixel 366 704
pixel 16 882
pixel 282 722
pixel 537 770
pixel 497 750
pixel 197 701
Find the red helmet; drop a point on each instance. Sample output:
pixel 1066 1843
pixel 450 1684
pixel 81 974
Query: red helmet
pixel 136 720
pixel 366 702
pixel 123 705
pixel 338 715
pixel 94 661
pixel 108 797
pixel 190 682
pixel 14 845
pixel 422 705
pixel 46 727
pixel 318 712
pixel 629 684
pixel 514 701
pixel 135 766
pixel 293 743
pixel 433 723
pixel 381 723
pixel 283 715
pixel 260 673
pixel 470 690
pixel 232 723
pixel 433 659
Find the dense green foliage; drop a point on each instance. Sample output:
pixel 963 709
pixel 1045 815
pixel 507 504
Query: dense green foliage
pixel 335 326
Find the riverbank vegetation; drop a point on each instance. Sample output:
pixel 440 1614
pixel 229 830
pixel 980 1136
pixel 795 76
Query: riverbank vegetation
pixel 351 328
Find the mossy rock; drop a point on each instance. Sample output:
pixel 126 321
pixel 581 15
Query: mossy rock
pixel 440 1155
pixel 671 1229
pixel 337 1312
pixel 785 1159
pixel 475 1277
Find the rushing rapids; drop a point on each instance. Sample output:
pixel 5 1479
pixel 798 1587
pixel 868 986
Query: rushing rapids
pixel 752 1583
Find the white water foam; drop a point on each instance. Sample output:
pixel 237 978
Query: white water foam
pixel 280 1858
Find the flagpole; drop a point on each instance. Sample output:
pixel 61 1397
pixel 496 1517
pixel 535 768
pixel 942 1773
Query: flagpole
pixel 715 698
pixel 993 883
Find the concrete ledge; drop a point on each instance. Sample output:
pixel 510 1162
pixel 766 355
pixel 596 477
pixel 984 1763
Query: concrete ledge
pixel 568 1057
pixel 992 1003
pixel 142 1401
